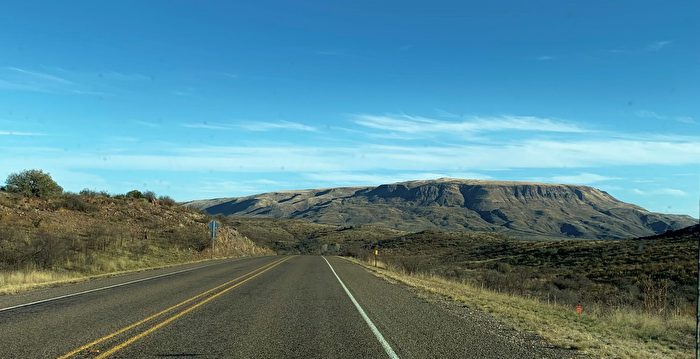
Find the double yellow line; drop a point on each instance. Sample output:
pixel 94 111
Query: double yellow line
pixel 231 285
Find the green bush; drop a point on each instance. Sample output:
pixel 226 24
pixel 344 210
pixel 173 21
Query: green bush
pixel 35 183
pixel 166 201
pixel 149 195
pixel 76 202
pixel 92 193
pixel 134 194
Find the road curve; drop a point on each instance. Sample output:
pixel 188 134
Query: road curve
pixel 268 307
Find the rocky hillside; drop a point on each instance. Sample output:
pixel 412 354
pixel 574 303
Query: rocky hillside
pixel 522 209
pixel 100 234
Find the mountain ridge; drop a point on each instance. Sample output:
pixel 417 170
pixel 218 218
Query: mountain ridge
pixel 528 209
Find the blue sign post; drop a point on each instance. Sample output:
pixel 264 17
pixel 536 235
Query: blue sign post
pixel 213 225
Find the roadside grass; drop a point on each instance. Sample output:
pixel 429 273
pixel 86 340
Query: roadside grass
pixel 599 332
pixel 16 281
pixel 51 241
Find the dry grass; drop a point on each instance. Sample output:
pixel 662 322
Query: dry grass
pixel 603 333
pixel 12 282
pixel 75 237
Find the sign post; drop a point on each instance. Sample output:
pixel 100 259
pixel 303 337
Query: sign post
pixel 376 253
pixel 213 225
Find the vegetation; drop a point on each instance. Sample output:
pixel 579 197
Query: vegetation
pixel 34 183
pixel 67 236
pixel 601 332
pixel 654 274
pixel 638 294
pixel 303 237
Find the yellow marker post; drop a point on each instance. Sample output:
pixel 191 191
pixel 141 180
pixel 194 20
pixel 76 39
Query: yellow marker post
pixel 376 253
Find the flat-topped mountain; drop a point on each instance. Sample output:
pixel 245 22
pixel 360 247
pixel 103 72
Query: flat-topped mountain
pixel 519 208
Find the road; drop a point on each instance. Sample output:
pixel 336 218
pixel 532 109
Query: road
pixel 267 307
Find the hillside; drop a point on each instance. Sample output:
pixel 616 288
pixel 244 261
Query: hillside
pixel 522 209
pixel 68 236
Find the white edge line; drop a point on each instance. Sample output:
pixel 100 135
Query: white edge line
pixel 387 348
pixel 104 288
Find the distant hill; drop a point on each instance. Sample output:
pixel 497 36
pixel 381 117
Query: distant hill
pixel 521 209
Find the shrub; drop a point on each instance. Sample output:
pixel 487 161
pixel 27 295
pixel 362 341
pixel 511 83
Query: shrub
pixel 166 201
pixel 149 195
pixel 34 183
pixel 134 194
pixel 92 193
pixel 76 202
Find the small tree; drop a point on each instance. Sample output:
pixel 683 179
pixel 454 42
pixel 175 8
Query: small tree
pixel 134 194
pixel 34 183
pixel 149 195
pixel 166 200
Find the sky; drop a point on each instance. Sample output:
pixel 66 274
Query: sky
pixel 205 99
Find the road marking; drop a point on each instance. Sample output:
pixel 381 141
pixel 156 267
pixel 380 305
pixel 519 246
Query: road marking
pixel 152 329
pixel 149 318
pixel 104 288
pixel 387 348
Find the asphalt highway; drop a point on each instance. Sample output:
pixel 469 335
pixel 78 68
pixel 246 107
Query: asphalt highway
pixel 267 307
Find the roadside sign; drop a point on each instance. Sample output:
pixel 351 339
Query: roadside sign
pixel 213 225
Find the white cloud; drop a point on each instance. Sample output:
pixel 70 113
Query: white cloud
pixel 424 125
pixel 207 126
pixel 654 115
pixel 120 76
pixel 18 79
pixel 147 124
pixel 281 125
pixel 661 192
pixel 582 178
pixel 658 45
pixel 437 159
pixel 38 75
pixel 252 126
pixel 19 133
pixel 545 58
pixel 354 178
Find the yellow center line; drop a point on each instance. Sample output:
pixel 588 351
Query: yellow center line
pixel 152 329
pixel 151 317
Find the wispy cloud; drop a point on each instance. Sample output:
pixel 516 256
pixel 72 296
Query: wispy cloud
pixel 208 126
pixel 368 158
pixel 147 124
pixel 354 178
pixel 545 58
pixel 257 126
pixel 280 125
pixel 424 125
pixel 661 191
pixel 19 133
pixel 581 178
pixel 654 115
pixel 121 76
pixel 19 79
pixel 658 45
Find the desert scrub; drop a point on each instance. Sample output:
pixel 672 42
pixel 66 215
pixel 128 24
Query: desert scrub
pixel 599 332
pixel 71 236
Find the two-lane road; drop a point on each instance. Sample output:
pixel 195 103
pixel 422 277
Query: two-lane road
pixel 270 307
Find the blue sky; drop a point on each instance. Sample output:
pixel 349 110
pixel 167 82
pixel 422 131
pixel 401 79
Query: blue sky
pixel 212 99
